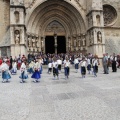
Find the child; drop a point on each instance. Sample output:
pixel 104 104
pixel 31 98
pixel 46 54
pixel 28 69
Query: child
pixel 55 68
pixel 49 67
pixel 36 75
pixel 66 68
pixel 31 67
pixel 59 61
pixel 83 67
pixel 23 72
pixel 95 65
pixel 14 69
pixel 76 62
pixel 5 71
pixel 88 65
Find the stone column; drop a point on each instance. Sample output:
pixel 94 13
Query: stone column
pixel 55 38
pixel 79 40
pixel 69 43
pixel 42 44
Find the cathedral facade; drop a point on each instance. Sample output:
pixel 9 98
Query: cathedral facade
pixel 59 26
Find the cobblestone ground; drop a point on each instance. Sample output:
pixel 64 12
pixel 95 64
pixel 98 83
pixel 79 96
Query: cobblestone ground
pixel 73 99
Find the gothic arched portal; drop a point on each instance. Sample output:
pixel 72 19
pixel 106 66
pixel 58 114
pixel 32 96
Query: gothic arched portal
pixel 56 19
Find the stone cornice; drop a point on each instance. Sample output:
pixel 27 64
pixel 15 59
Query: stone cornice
pixel 31 4
pixel 78 3
pixel 93 11
pixel 95 27
pixel 111 27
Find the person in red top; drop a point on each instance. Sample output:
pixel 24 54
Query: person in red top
pixel 1 61
pixel 24 59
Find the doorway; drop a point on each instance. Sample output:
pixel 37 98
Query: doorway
pixel 61 42
pixel 49 45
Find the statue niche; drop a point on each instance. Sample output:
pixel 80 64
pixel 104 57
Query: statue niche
pixel 17 37
pixel 99 37
pixel 29 41
pixel 33 42
pixel 17 16
pixel 98 20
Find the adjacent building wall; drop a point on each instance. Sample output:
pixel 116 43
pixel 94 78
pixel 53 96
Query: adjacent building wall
pixel 4 17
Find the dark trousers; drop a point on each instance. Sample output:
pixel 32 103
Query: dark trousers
pixel 114 68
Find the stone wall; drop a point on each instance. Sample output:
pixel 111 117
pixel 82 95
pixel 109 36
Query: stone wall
pixel 112 40
pixel 4 17
pixel 112 30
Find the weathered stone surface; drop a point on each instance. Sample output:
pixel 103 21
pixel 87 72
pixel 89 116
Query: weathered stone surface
pixel 79 21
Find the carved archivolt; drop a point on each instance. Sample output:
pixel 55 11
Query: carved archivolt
pixel 110 14
pixel 78 2
pixel 29 3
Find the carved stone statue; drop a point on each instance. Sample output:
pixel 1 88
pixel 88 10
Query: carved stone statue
pixel 29 41
pixel 17 37
pixel 33 42
pixel 74 40
pixel 37 42
pixel 83 40
pixel 99 37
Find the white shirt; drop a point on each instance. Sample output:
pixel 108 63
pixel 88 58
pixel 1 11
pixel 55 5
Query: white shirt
pixel 112 57
pixel 4 67
pixel 59 62
pixel 55 64
pixel 76 61
pixel 88 61
pixel 95 62
pixel 41 61
pixel 50 65
pixel 66 63
pixel 15 65
pixel 23 67
pixel 37 65
pixel 83 63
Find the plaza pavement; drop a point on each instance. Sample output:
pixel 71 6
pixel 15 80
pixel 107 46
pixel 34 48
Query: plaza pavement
pixel 73 99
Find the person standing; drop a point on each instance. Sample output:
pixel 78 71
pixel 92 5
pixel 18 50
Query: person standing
pixel 67 68
pixel 95 65
pixel 0 65
pixel 14 69
pixel 83 67
pixel 114 63
pixel 88 65
pixel 59 61
pixel 49 67
pixel 105 64
pixel 40 62
pixel 5 71
pixel 76 63
pixel 23 75
pixel 36 75
pixel 55 68
pixel 11 62
pixel 31 67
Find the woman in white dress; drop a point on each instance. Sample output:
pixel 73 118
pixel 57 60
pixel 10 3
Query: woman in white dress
pixel 23 75
pixel 14 69
pixel 5 72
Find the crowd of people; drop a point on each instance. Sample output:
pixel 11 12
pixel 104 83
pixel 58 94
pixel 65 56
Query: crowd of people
pixel 32 64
